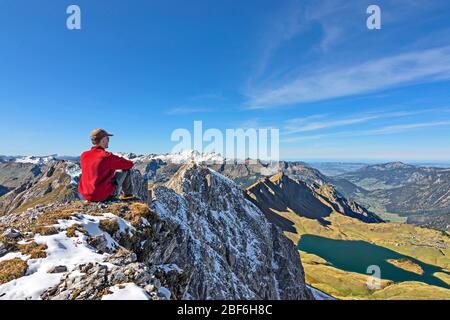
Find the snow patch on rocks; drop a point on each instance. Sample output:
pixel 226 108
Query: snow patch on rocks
pixel 68 252
pixel 41 161
pixel 182 157
pixel 127 291
pixel 61 250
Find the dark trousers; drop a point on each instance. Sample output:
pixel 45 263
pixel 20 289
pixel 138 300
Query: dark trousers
pixel 123 182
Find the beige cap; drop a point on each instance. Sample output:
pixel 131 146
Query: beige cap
pixel 99 134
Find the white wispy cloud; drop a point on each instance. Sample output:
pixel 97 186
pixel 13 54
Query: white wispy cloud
pixel 306 138
pixel 371 76
pixel 293 20
pixel 294 126
pixel 384 130
pixel 282 27
pixel 310 123
pixel 328 14
pixel 406 127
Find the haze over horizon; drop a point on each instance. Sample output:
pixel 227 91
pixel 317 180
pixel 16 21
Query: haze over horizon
pixel 336 90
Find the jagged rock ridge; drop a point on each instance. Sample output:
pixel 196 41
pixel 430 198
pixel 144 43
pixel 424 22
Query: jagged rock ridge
pixel 280 193
pixel 226 239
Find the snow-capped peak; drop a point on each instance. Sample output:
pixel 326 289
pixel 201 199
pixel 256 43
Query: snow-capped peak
pixel 185 156
pixel 36 160
pixel 192 156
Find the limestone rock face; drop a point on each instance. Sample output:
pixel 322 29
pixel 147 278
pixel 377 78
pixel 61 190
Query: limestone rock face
pixel 140 185
pixel 223 241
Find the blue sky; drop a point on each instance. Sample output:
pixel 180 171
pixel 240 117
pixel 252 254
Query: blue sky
pixel 336 90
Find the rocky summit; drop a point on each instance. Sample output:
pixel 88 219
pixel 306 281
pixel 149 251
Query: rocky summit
pixel 198 237
pixel 224 241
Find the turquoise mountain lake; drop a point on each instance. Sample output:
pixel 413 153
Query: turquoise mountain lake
pixel 356 256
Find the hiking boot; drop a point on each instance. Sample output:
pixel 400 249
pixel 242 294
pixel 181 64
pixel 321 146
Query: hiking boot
pixel 126 197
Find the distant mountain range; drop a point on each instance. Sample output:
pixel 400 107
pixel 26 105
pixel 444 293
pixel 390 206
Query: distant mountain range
pixel 215 206
pixel 393 191
pixel 419 194
pixel 336 168
pixel 34 179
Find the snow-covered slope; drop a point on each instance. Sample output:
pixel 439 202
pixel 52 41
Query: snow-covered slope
pixel 61 250
pixel 81 256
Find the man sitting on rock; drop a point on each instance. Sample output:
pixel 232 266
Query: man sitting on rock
pixel 104 176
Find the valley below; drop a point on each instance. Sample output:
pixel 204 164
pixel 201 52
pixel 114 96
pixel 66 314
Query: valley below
pixel 336 258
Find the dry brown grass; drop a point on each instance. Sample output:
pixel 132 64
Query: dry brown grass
pixel 132 212
pixel 137 211
pixel 8 242
pixel 443 276
pixel 109 225
pixel 43 223
pixel 12 269
pixel 34 250
pixel 70 231
pixel 407 265
pixel 52 217
pixel 117 208
pixel 44 230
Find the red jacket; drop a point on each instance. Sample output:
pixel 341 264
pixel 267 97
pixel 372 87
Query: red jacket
pixel 97 172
